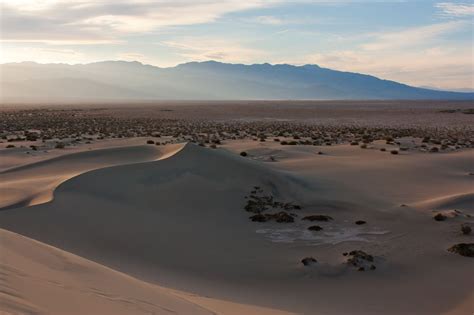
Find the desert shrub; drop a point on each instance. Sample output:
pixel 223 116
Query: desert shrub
pixel 243 153
pixel 150 142
pixel 60 145
pixel 440 217
pixel 465 229
pixel 394 151
pixel 307 261
pixel 10 146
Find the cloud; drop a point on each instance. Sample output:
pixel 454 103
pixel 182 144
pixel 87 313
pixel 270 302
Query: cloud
pixel 456 9
pixel 413 36
pixel 202 49
pixel 267 20
pixel 417 56
pixel 95 21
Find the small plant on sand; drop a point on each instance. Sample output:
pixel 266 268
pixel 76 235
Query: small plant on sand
pixel 60 145
pixel 394 152
pixel 440 217
pixel 315 228
pixel 361 260
pixel 243 153
pixel 463 249
pixel 465 229
pixel 150 142
pixel 308 261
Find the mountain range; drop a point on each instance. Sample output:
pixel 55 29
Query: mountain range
pixel 210 80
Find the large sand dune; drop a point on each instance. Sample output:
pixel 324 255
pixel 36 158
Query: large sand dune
pixel 179 222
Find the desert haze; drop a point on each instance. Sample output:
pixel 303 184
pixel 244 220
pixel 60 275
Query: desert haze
pixel 236 157
pixel 120 81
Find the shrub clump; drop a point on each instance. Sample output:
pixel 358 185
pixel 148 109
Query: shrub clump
pixel 361 260
pixel 308 261
pixel 463 249
pixel 440 217
pixel 465 229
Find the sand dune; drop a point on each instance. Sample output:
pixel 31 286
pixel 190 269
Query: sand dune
pixel 34 183
pixel 40 279
pixel 180 223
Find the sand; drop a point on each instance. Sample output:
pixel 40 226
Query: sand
pixel 34 183
pixel 179 224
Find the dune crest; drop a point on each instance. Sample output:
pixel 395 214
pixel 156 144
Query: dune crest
pixel 34 183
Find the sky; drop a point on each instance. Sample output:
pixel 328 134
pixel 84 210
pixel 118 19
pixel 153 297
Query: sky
pixel 421 43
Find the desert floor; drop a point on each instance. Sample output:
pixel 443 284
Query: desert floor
pixel 118 226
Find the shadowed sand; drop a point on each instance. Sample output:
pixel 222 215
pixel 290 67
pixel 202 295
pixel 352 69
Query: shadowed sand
pixel 39 279
pixel 180 223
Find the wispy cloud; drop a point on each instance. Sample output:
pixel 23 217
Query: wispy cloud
pixel 201 49
pixel 89 21
pixel 413 36
pixel 456 9
pixel 267 19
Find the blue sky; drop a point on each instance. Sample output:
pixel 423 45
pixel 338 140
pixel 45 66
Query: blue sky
pixel 423 43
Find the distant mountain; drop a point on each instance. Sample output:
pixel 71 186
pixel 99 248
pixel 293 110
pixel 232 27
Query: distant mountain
pixel 120 80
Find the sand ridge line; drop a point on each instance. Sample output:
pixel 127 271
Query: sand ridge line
pixel 34 183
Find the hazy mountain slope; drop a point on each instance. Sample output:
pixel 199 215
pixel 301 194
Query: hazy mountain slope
pixel 112 80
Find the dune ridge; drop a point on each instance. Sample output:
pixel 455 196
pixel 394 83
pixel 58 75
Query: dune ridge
pixel 34 183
